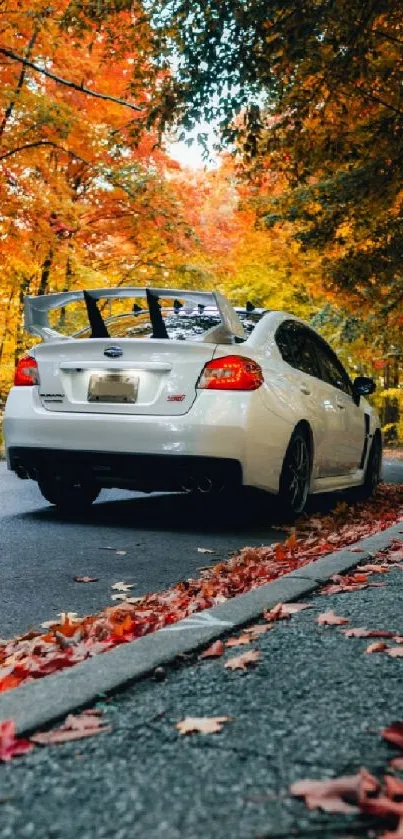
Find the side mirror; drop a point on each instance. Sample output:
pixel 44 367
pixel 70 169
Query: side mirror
pixel 363 386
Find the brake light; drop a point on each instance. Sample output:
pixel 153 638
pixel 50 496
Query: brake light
pixel 231 372
pixel 26 371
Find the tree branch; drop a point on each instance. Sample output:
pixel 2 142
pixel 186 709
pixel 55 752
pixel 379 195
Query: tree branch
pixel 65 82
pixel 388 36
pixel 35 145
pixel 378 99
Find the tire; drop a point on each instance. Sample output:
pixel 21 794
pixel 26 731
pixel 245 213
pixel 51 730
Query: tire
pixel 373 470
pixel 295 476
pixel 68 495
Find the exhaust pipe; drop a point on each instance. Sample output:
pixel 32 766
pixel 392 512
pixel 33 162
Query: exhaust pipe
pixel 205 486
pixel 188 484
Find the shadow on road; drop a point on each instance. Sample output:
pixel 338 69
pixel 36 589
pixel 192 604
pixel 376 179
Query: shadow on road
pixel 255 512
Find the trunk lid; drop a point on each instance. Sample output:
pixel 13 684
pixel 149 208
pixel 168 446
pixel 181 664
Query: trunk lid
pixel 123 376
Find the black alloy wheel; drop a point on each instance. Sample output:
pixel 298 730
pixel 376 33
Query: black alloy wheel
pixel 295 476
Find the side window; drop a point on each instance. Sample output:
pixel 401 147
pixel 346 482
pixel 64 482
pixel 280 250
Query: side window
pixel 298 348
pixel 333 371
pixel 283 341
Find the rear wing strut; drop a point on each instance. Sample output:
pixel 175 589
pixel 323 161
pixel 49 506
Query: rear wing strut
pixel 36 310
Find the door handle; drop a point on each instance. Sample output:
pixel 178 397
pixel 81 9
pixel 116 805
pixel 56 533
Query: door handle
pixel 341 406
pixel 304 389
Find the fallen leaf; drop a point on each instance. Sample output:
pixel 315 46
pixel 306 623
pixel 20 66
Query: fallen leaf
pixel 241 662
pixel 10 745
pixel 395 652
pixel 258 628
pixel 374 569
pixel 394 734
pixel 294 608
pixel 283 611
pixel 214 651
pixel 393 786
pixel 396 763
pixel 329 795
pixel 75 727
pixel 330 619
pixel 205 551
pixel 238 642
pixel 274 614
pixel 382 807
pixel 376 647
pixel 86 579
pixel 357 632
pixel 202 725
pixel 361 632
pixel 121 586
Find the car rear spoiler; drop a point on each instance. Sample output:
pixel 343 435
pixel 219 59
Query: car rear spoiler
pixel 36 310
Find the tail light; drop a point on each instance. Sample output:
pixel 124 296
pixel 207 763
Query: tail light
pixel 231 372
pixel 26 371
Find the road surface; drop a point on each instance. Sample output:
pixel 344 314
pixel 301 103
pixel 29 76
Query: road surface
pixel 41 551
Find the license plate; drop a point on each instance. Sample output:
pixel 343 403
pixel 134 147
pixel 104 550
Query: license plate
pixel 112 387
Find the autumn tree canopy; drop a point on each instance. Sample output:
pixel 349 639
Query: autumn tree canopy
pixel 312 90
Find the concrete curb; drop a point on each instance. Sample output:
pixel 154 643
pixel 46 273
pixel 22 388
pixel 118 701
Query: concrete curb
pixel 39 703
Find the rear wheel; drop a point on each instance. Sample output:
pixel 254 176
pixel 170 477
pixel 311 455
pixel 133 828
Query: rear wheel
pixel 373 470
pixel 295 476
pixel 68 494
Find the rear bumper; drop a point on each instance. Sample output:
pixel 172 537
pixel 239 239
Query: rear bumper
pixel 145 472
pixel 235 427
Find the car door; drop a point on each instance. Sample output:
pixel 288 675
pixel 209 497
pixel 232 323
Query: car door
pixel 351 415
pixel 298 348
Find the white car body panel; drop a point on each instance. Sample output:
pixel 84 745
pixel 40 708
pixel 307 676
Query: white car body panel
pixel 164 370
pixel 172 417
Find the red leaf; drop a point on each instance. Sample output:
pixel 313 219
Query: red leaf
pixel 394 734
pixel 214 651
pixel 393 786
pixel 361 632
pixel 10 745
pixel 396 763
pixel 376 647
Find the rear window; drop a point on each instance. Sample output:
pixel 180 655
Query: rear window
pixel 181 326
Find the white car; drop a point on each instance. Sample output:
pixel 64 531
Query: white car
pixel 183 392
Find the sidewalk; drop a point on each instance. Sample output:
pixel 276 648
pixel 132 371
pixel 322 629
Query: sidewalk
pixel 312 707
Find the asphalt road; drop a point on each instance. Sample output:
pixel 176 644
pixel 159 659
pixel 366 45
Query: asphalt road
pixel 41 551
pixel 312 708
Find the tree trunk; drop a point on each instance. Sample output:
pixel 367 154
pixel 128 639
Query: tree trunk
pixel 46 266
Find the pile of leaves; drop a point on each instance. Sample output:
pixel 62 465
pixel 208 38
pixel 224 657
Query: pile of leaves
pixel 73 639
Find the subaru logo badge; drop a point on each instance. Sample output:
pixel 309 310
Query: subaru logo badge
pixel 113 352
